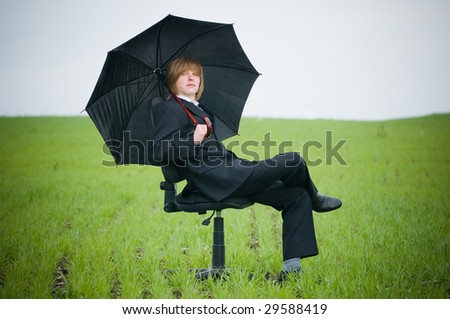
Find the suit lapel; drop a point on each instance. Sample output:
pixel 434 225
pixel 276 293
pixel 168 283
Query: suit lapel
pixel 197 112
pixel 194 109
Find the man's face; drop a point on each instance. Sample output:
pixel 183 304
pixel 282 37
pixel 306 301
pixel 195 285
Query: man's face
pixel 188 83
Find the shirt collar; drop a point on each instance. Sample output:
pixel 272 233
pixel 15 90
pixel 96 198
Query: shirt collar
pixel 188 99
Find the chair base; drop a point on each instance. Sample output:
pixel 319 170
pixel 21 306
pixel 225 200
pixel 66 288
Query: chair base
pixel 218 269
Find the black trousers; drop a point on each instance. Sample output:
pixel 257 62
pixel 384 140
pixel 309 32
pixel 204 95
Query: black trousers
pixel 284 183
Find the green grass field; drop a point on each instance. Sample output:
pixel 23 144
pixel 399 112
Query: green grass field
pixel 72 228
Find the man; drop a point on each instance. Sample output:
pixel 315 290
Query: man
pixel 184 136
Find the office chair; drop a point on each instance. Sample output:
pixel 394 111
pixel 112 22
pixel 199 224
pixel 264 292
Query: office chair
pixel 174 202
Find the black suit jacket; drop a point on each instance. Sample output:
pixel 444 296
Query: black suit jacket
pixel 210 168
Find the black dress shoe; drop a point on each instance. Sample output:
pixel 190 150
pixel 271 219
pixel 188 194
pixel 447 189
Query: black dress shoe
pixel 323 203
pixel 286 275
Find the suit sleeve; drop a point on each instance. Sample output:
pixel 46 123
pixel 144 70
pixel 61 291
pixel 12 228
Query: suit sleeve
pixel 173 135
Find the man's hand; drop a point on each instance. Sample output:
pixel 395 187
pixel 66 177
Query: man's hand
pixel 199 133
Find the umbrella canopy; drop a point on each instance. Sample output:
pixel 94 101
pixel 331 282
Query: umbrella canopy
pixel 133 74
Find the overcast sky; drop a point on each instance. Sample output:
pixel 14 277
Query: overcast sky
pixel 339 59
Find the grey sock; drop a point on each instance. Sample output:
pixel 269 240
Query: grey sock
pixel 292 264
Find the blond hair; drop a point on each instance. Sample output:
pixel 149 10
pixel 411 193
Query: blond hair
pixel 177 67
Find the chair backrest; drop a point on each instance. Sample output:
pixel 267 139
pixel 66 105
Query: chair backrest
pixel 156 100
pixel 171 172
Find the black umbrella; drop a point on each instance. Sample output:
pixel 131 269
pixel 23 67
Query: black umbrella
pixel 133 74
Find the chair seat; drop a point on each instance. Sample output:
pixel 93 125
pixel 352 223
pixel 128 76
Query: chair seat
pixel 190 200
pixel 198 203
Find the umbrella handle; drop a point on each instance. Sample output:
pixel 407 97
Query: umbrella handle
pixel 208 126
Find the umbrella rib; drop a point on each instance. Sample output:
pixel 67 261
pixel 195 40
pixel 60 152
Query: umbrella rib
pixel 183 47
pixel 231 68
pixel 125 83
pixel 158 46
pixel 146 92
pixel 115 88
